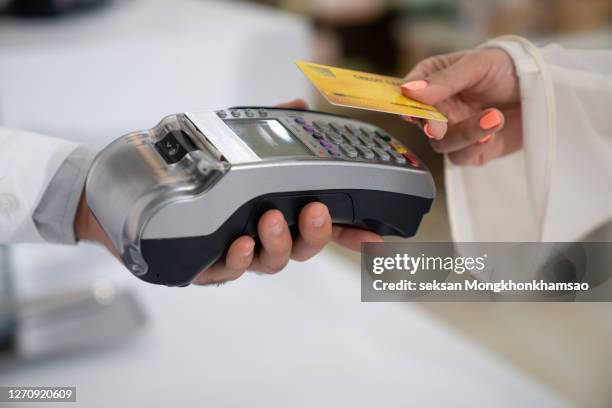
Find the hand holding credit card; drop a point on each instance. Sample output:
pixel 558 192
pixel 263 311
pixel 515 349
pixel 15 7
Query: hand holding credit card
pixel 363 90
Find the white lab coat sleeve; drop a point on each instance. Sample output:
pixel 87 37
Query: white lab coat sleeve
pixel 28 162
pixel 559 186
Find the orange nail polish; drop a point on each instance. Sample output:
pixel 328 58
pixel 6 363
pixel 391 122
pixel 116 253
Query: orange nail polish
pixel 415 85
pixel 485 139
pixel 490 120
pixel 427 131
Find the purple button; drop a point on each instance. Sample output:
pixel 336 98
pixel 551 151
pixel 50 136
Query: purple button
pixel 308 128
pixel 326 144
pixel 300 120
pixel 333 151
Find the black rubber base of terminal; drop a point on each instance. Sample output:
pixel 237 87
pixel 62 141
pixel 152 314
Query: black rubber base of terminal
pixel 176 261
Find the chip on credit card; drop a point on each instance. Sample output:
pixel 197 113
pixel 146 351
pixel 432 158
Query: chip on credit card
pixel 363 90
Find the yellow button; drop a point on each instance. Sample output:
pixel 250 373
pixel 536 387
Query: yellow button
pixel 398 147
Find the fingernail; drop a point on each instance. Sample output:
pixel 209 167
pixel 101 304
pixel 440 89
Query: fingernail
pixel 415 85
pixel 490 120
pixel 409 119
pixel 427 130
pixel 318 221
pixel 485 139
pixel 276 229
pixel 248 252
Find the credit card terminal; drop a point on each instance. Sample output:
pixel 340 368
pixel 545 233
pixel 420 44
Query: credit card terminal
pixel 172 199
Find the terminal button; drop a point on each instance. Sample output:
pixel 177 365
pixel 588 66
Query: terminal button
pixel 335 126
pixel 351 139
pixel 365 152
pixel 319 125
pixel 351 129
pixel 334 138
pixel 382 144
pixel 250 113
pixel 398 147
pixel 349 150
pixel 334 151
pixel 366 140
pixel 221 114
pixel 318 135
pixel 326 144
pixel 412 160
pixel 366 132
pixel 308 128
pixel 235 113
pixel 383 135
pixel 300 120
pixel 382 155
pixel 399 159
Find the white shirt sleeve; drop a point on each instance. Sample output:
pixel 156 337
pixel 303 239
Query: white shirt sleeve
pixel 559 187
pixel 55 213
pixel 28 163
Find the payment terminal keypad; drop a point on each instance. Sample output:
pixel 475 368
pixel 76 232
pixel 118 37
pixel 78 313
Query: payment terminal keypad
pixel 345 140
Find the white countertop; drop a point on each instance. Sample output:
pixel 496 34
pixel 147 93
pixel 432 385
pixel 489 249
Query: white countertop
pixel 301 338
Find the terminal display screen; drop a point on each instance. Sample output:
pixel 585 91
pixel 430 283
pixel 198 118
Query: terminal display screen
pixel 268 138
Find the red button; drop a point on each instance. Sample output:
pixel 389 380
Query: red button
pixel 414 162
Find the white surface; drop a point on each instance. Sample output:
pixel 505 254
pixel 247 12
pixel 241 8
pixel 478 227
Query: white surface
pixel 301 338
pixel 95 77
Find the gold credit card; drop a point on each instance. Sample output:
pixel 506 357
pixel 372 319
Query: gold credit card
pixel 362 90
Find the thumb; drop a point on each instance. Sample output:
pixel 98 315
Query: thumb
pixel 441 85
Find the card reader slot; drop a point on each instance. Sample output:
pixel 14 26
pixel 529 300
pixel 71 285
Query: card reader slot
pixel 174 146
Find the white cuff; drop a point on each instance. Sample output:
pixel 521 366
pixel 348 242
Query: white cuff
pixel 538 118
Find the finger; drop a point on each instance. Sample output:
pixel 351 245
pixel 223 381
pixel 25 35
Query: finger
pixel 294 104
pixel 442 84
pixel 352 238
pixel 435 129
pixel 504 142
pixel 276 243
pixel 433 64
pixel 511 137
pixel 478 154
pixel 470 131
pixel 315 226
pixel 238 258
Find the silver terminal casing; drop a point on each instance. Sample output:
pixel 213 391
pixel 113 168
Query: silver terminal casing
pixel 136 194
pixel 129 182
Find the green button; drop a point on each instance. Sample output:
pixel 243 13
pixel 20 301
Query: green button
pixel 383 136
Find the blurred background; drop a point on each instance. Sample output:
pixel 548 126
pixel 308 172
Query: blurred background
pixel 92 70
